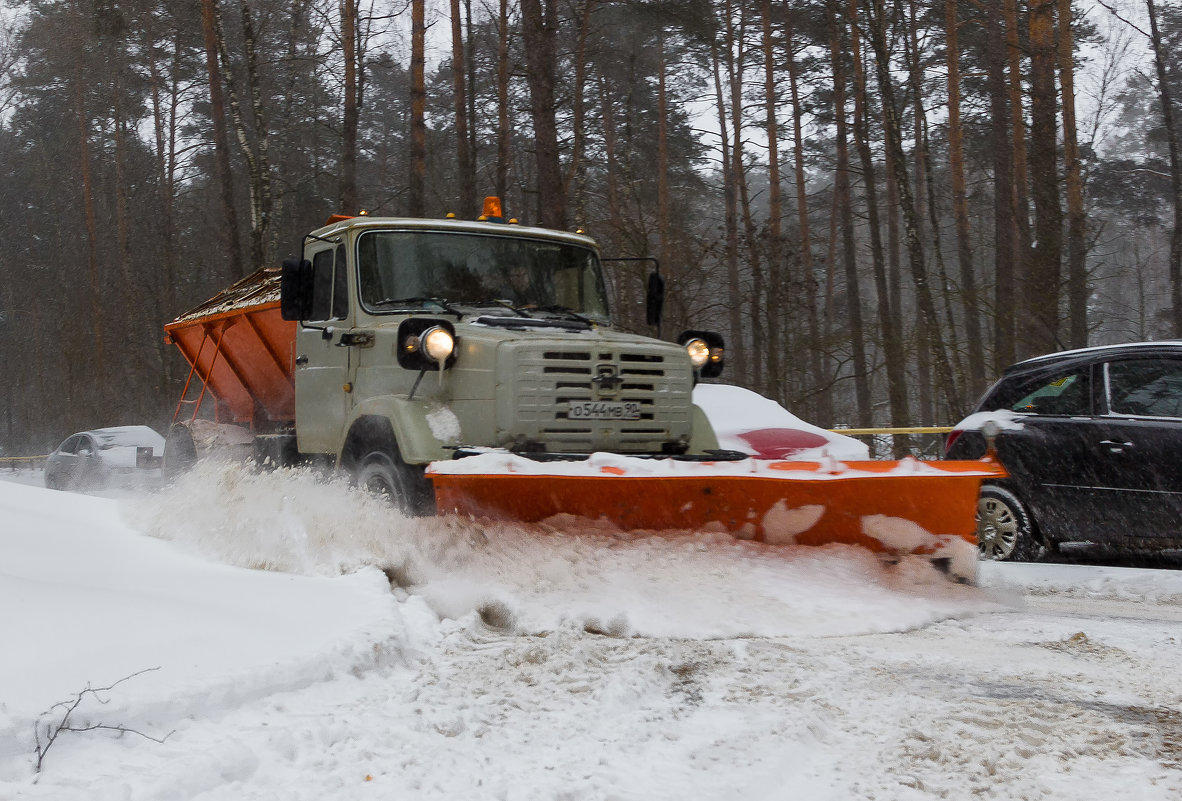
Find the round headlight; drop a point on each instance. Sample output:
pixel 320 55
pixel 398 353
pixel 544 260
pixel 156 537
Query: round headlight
pixel 699 352
pixel 438 344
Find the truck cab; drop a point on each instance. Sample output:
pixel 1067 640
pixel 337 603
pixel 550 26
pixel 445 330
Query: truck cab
pixel 423 340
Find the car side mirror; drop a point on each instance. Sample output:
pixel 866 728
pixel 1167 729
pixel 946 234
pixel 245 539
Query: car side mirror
pixel 654 300
pixel 295 289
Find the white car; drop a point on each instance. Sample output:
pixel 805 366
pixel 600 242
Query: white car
pixel 748 422
pixel 105 457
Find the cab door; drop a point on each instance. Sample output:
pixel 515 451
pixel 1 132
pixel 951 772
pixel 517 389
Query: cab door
pixel 323 370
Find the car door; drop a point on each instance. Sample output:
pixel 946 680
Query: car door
pixel 88 470
pixel 1140 444
pixel 1051 455
pixel 63 464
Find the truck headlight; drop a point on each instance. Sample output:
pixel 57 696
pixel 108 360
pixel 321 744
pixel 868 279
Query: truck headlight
pixel 438 344
pixel 707 352
pixel 699 352
pixel 426 343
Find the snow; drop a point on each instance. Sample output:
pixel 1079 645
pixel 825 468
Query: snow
pixel 599 465
pixel 737 413
pixel 287 637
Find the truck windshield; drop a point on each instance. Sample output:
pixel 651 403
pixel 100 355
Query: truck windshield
pixel 401 268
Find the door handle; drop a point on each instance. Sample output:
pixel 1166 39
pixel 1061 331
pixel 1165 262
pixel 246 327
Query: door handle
pixel 1115 447
pixel 301 361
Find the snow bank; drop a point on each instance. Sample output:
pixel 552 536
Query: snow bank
pixel 88 601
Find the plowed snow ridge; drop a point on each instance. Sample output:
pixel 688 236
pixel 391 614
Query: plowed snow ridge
pixel 539 578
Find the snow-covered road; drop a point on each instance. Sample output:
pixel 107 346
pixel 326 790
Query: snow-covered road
pixel 522 664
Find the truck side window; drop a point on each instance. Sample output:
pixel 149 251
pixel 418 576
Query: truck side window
pixel 340 286
pixel 322 285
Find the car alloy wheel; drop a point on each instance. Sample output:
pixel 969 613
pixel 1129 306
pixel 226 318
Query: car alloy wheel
pixel 1004 526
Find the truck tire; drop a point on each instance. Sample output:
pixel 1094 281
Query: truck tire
pixel 180 452
pixel 1005 529
pixel 405 487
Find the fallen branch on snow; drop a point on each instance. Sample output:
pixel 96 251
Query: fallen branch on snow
pixel 46 732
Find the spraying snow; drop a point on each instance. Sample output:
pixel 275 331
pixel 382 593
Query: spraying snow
pixel 545 576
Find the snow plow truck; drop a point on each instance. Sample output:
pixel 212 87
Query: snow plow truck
pixel 472 368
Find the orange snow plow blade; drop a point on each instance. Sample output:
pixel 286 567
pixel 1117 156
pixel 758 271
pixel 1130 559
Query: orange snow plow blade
pixel 908 506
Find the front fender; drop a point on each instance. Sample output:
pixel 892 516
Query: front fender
pixel 423 428
pixel 702 436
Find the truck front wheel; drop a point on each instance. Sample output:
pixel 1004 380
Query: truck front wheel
pixel 405 487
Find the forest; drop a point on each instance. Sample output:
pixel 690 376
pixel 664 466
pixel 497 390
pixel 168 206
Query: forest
pixel 879 204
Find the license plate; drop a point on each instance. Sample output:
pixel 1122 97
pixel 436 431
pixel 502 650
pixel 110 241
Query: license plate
pixel 603 410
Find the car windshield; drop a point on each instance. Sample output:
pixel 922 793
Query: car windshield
pixel 410 269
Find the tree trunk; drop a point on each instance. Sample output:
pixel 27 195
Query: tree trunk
pixel 221 143
pixel 846 212
pixel 97 311
pixel 1018 136
pixel 662 152
pixel 919 278
pixel 539 28
pixel 1040 328
pixel 731 223
pixel 1175 150
pixel 808 282
pixel 416 190
pixel 734 45
pixel 1077 271
pixel 504 134
pixel 960 205
pixel 577 171
pixel 256 157
pixel 466 185
pixel 888 319
pixel 777 266
pixel 347 196
pixel 1005 232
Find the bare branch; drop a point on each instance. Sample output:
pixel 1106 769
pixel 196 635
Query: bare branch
pixel 46 732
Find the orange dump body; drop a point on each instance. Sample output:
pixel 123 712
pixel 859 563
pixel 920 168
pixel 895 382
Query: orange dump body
pixel 805 503
pixel 240 350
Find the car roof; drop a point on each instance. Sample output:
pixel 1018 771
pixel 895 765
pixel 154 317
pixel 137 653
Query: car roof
pixel 125 435
pixel 1098 353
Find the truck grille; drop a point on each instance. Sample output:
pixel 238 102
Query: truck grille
pixel 533 412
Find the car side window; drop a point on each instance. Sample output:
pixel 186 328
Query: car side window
pixel 1150 387
pixel 1063 394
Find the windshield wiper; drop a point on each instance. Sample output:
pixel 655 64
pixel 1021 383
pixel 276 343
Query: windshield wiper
pixel 440 302
pixel 565 310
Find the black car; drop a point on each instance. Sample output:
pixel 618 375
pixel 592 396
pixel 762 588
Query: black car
pixel 1092 440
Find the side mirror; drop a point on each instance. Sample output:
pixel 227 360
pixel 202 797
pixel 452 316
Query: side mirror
pixel 654 299
pixel 295 289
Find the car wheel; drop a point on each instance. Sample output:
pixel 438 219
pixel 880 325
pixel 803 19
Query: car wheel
pixel 405 487
pixel 1005 529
